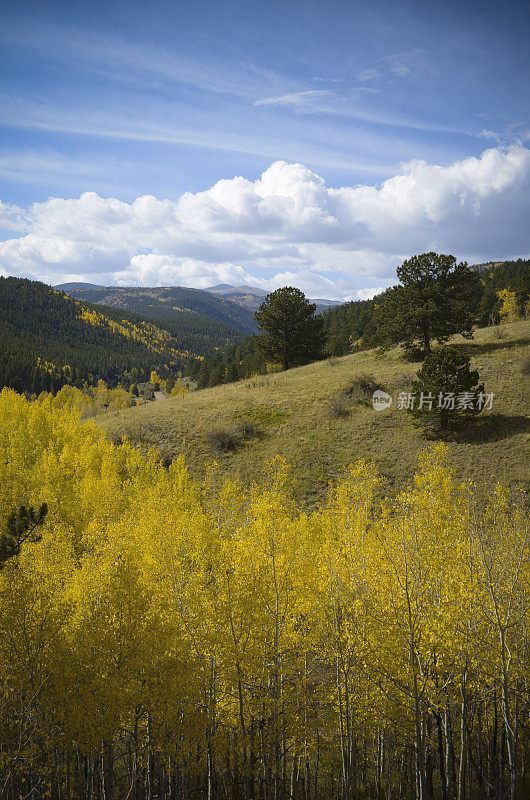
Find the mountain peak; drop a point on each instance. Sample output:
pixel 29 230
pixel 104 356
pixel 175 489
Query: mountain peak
pixel 68 287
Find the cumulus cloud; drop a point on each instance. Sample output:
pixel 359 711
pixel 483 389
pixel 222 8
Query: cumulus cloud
pixel 367 294
pixel 287 226
pixel 12 218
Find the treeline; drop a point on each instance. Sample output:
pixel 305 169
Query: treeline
pixel 170 640
pixel 230 364
pixel 513 276
pixel 90 400
pixel 48 340
pixel 355 325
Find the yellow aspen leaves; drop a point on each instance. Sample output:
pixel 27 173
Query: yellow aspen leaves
pixel 175 639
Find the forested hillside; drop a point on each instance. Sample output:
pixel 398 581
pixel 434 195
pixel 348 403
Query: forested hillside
pixel 355 324
pixel 270 624
pixel 184 308
pixel 48 340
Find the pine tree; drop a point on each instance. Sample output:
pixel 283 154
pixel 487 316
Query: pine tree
pixel 292 334
pixel 436 298
pixel 446 390
pixel 21 527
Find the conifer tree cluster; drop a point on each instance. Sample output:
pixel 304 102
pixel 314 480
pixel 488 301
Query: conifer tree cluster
pixel 452 301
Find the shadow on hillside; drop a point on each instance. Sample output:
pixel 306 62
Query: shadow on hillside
pixel 492 428
pixel 474 348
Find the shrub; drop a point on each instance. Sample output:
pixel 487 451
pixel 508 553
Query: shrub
pixel 226 440
pixel 361 389
pixel 246 429
pixel 337 407
pixel 273 367
pixel 223 440
pixel 498 332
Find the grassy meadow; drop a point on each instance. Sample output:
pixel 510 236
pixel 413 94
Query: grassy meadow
pixel 307 416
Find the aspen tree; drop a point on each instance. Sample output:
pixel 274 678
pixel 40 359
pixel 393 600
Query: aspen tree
pixel 170 639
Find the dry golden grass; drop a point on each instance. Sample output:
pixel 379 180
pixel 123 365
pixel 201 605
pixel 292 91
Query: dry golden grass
pixel 291 412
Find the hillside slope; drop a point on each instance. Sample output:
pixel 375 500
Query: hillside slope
pixel 48 339
pixel 174 303
pixel 292 412
pixel 355 324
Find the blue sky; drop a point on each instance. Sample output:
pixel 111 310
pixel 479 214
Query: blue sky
pixel 114 102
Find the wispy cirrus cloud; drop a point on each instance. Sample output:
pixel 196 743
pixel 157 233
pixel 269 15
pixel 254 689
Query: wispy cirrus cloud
pixel 508 134
pixel 400 70
pixel 404 57
pixel 129 91
pixel 309 101
pixel 399 65
pixel 137 62
pixel 369 74
pixel 159 121
pixel 168 128
pixel 348 104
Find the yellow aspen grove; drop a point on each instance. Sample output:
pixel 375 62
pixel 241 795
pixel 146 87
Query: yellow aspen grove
pixel 171 639
pixel 508 311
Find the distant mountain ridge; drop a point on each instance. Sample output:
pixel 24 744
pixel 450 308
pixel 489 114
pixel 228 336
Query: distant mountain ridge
pixel 168 303
pixel 248 297
pixel 70 287
pixel 193 301
pixel 252 296
pixel 227 289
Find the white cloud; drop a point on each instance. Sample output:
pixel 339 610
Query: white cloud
pixel 303 102
pixel 12 218
pixel 367 294
pixel 369 74
pixel 400 70
pixel 513 133
pixel 137 62
pixel 398 64
pixel 286 226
